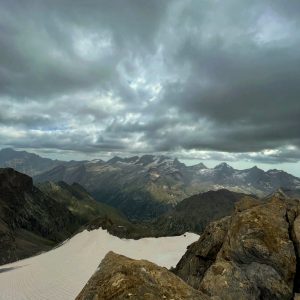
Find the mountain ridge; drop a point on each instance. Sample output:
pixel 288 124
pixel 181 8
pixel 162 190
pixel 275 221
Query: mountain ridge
pixel 144 187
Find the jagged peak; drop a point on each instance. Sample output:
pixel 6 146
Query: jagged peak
pixel 254 169
pixel 223 165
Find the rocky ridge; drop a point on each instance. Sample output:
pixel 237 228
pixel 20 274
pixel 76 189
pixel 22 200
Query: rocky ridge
pixel 119 277
pixel 253 254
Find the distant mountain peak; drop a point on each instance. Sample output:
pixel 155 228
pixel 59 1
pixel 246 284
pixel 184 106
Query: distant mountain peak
pixel 254 170
pixel 114 160
pixel 223 165
pixel 199 166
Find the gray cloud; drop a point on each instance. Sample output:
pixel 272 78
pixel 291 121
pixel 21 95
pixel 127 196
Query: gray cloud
pixel 207 79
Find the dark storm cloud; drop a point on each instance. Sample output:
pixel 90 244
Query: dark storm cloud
pixel 140 76
pixel 40 43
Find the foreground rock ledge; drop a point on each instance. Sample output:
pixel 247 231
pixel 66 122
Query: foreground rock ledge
pixel 119 277
pixel 254 254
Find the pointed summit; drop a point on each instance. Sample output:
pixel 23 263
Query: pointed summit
pixel 223 166
pixel 255 170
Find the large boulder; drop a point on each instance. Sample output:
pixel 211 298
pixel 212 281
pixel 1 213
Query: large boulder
pixel 119 277
pixel 248 256
pixel 296 237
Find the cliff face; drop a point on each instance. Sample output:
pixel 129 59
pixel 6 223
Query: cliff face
pixel 251 255
pixel 119 277
pixel 30 221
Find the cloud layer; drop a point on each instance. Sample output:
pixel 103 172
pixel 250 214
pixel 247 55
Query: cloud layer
pixel 198 79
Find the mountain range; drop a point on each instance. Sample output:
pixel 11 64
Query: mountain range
pixel 148 186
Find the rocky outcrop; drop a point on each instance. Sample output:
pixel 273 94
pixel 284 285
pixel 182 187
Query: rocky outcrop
pixel 251 255
pixel 119 277
pixel 296 238
pixel 198 259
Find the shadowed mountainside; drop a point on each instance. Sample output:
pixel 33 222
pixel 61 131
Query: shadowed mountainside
pixel 80 202
pixel 34 220
pixel 30 221
pixel 194 213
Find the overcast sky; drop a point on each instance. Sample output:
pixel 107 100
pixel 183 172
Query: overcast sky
pixel 206 80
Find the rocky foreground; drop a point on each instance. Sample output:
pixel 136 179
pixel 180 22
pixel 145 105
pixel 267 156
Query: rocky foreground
pixel 253 254
pixel 120 277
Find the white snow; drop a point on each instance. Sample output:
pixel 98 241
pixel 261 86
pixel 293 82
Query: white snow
pixel 62 272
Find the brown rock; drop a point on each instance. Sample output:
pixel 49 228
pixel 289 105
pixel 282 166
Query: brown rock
pixel 256 259
pixel 246 203
pixel 296 238
pixel 119 277
pixel 201 254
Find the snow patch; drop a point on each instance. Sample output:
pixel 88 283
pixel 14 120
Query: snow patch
pixel 62 272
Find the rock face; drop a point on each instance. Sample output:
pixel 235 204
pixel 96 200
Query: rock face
pixel 296 237
pixel 30 221
pixel 251 255
pixel 202 254
pixel 119 277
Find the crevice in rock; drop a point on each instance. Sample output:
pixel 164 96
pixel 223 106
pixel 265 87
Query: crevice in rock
pixel 296 287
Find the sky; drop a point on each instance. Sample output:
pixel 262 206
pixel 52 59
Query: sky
pixel 201 80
